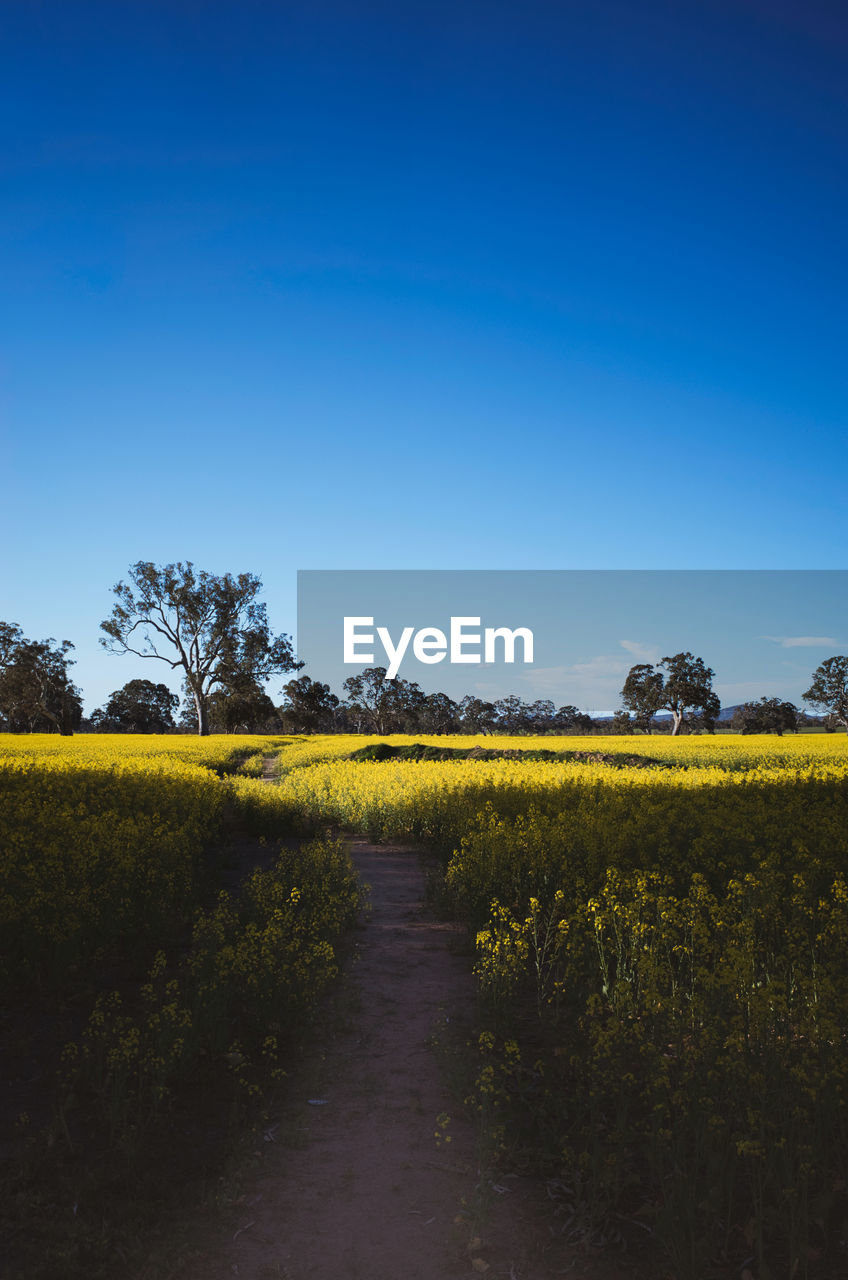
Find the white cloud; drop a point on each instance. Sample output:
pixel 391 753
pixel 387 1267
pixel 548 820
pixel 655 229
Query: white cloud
pixel 644 652
pixel 801 642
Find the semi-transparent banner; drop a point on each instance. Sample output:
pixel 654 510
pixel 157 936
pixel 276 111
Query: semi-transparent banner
pixel 571 635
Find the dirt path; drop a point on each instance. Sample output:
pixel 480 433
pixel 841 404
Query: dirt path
pixel 352 1183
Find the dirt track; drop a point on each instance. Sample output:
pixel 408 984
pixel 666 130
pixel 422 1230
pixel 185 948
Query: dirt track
pixel 352 1182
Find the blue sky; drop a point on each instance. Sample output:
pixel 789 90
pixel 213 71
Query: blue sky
pixel 380 285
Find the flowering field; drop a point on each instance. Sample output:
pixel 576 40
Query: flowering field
pixel 661 928
pixel 661 947
pixel 129 977
pixel 729 751
pixel 102 838
pixel 219 751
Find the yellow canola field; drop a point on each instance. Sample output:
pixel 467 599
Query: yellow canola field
pixel 94 853
pixel 726 751
pixel 110 893
pixel 662 948
pixel 100 841
pixel 214 752
pixel 731 791
pixel 671 928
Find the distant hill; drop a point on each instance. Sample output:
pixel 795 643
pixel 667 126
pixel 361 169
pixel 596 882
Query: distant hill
pixel 724 715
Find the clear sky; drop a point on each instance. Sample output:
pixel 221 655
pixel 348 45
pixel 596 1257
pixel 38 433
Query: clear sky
pixel 416 285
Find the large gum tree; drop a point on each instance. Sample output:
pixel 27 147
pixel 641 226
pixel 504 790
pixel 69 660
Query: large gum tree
pixel 680 684
pixel 212 627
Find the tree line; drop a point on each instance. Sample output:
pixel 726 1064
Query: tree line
pixel 214 631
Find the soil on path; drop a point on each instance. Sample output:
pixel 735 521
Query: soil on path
pixel 352 1184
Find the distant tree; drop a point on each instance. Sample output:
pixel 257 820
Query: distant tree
pixel 36 691
pixel 768 715
pixel 680 684
pixel 187 719
pixel 540 716
pixel 621 723
pixel 309 706
pixel 828 692
pixel 139 707
pixel 781 717
pixel 513 715
pixel 438 714
pixel 569 720
pixel 381 705
pixel 210 626
pixel 476 715
pixel 410 699
pixel 701 722
pixel 242 706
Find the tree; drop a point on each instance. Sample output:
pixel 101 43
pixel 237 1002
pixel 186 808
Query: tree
pixel 769 715
pixel 35 688
pixel 679 684
pixel 688 687
pixel 210 626
pixel 309 707
pixel 568 719
pixel 829 691
pixel 621 723
pixel 477 715
pixel 438 713
pixel 643 694
pixel 513 714
pixel 385 706
pixel 139 707
pixel 540 716
pixel 242 706
pixel 10 637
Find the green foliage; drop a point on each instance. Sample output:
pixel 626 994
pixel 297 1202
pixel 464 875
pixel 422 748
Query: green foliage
pixel 382 705
pixel 139 707
pixel 375 751
pixel 97 859
pixel 681 684
pixel 643 694
pixel 36 691
pixel 768 715
pixel 254 970
pixel 828 692
pixel 692 1028
pixel 309 707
